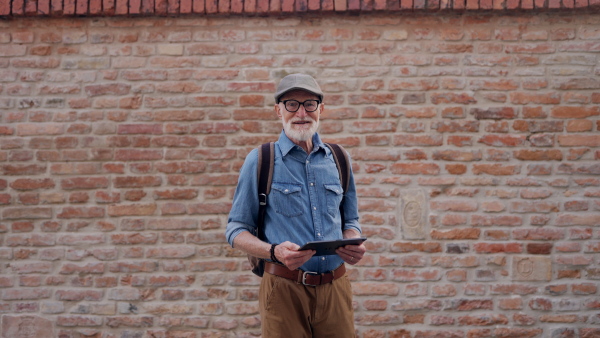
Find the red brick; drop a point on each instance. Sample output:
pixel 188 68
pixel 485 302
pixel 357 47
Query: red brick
pixel 539 155
pixel 503 140
pixel 475 304
pixel 454 127
pixel 379 99
pixel 579 140
pixel 134 239
pixel 495 169
pixel 527 98
pixel 417 140
pixel 449 98
pixel 453 155
pixel 84 183
pixel 460 141
pixel 174 252
pixel 32 184
pixel 539 248
pixel 491 248
pixel 415 168
pixel 81 212
pixel 467 233
pixel 5 7
pixel 71 268
pixel 483 320
pixel 138 154
pixel 154 129
pixel 107 89
pixel 132 267
pixel 171 280
pixel 574 112
pixel 198 6
pixel 574 219
pixel 456 169
pixel 539 207
pixel 25 294
pixel 22 226
pixel 373 127
pixel 575 126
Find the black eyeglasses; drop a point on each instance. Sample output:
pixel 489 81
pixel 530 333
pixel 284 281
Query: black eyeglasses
pixel 309 105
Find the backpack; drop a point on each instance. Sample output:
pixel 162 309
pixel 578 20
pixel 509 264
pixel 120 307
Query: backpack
pixel 264 172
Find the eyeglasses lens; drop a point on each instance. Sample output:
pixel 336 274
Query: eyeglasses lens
pixel 309 105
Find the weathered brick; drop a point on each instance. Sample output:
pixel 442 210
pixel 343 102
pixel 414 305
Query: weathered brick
pixel 84 183
pixel 76 295
pixel 172 252
pixel 503 140
pixel 498 247
pixel 81 212
pixel 27 213
pixel 131 210
pixel 129 321
pixel 467 233
pixel 107 89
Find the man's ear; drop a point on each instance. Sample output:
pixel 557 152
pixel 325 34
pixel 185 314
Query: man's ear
pixel 278 110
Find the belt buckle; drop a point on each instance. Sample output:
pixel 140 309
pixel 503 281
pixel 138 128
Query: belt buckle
pixel 304 274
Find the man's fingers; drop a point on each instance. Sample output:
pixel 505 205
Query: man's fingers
pixel 297 261
pixel 351 254
pixel 291 257
pixel 290 246
pixel 305 253
pixel 352 249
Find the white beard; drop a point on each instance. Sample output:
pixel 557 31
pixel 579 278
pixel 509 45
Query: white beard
pixel 300 133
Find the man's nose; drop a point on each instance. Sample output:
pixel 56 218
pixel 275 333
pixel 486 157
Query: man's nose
pixel 301 111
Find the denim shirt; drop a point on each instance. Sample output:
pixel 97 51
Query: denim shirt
pixel 303 204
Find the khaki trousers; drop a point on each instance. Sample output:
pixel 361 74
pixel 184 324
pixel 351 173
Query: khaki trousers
pixel 292 310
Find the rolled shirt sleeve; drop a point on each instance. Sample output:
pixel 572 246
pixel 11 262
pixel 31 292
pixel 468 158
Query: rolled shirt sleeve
pixel 244 211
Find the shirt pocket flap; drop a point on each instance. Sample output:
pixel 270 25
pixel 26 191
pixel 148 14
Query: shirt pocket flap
pixel 286 188
pixel 336 188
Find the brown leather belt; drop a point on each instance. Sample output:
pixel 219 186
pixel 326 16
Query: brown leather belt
pixel 305 277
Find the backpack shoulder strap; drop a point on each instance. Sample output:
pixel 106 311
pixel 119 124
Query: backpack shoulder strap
pixel 264 172
pixel 341 160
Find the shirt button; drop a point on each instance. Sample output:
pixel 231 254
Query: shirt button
pixel 314 208
pixel 286 190
pixel 322 258
pixel 311 184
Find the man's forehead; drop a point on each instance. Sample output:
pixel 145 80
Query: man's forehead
pixel 299 93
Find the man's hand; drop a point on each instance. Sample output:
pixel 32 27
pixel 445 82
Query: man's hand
pixel 288 254
pixel 351 254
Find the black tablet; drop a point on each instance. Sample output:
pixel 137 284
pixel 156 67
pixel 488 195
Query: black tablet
pixel 325 248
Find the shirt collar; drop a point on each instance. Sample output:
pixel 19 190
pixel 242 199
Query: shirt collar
pixel 286 145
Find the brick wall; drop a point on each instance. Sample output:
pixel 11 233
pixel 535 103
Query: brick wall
pixel 475 145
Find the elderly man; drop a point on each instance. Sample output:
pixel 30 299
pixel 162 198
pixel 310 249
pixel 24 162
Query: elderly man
pixel 303 206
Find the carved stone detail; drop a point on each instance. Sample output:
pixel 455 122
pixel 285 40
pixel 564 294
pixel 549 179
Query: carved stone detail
pixel 413 214
pixel 531 268
pixel 26 327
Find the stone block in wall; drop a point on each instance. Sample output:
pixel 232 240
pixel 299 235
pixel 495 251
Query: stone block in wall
pixel 531 268
pixel 26 327
pixel 413 214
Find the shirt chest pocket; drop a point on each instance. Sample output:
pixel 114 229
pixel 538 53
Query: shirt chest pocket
pixel 333 194
pixel 286 199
